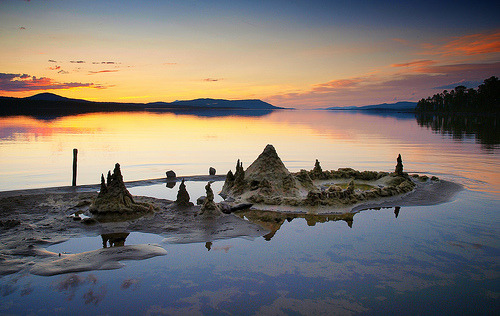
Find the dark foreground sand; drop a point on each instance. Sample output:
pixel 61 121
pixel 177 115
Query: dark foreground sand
pixel 31 220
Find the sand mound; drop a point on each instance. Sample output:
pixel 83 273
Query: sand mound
pixel 267 182
pixel 101 259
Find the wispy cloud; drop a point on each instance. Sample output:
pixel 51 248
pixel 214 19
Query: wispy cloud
pixel 416 63
pixel 335 85
pixel 105 63
pixel 25 82
pixel 55 67
pixel 474 44
pixel 212 79
pixel 63 72
pixel 22 28
pixel 77 61
pixel 102 71
pixel 169 64
pixel 52 61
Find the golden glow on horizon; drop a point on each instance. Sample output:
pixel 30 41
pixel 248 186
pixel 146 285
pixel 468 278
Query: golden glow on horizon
pixel 189 56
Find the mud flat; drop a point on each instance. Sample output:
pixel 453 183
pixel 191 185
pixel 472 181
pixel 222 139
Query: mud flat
pixel 257 201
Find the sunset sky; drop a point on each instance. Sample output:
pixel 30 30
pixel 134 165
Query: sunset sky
pixel 301 54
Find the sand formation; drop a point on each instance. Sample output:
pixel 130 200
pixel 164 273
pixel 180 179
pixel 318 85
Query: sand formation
pixel 209 207
pixel 114 198
pixel 399 166
pixel 183 196
pixel 268 182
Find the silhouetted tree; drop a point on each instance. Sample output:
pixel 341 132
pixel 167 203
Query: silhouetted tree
pixel 485 99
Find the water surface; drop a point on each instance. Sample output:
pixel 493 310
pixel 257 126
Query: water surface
pixel 440 259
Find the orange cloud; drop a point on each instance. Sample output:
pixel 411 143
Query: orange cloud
pixel 463 69
pixel 481 43
pixel 101 71
pixel 415 63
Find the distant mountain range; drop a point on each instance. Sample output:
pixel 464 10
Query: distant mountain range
pixel 398 106
pixel 56 105
pixel 216 104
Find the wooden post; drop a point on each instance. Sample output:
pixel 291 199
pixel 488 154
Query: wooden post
pixel 75 154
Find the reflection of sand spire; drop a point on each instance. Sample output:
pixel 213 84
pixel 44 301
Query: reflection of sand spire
pixel 396 211
pixel 208 245
pixel 114 239
pixel 349 222
pixel 272 221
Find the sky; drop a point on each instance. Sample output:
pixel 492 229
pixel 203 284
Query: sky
pixel 295 53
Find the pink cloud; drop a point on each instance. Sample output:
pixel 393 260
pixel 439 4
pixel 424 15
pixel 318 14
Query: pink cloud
pixel 24 82
pixel 411 85
pixel 336 85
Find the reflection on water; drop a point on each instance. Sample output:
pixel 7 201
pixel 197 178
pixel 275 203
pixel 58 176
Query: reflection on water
pixel 148 144
pixel 485 128
pixel 424 262
pixel 439 259
pixel 273 221
pixel 114 239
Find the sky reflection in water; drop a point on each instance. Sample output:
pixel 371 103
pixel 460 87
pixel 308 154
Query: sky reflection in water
pixel 435 259
pixel 38 153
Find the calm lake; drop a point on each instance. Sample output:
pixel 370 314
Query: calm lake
pixel 441 259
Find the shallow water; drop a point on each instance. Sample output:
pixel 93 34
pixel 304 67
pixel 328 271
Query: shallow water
pixel 440 259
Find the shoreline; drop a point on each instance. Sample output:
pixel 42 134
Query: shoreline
pixel 34 219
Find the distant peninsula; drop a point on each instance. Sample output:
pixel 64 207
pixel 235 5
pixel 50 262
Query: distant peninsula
pixel 56 105
pixel 402 106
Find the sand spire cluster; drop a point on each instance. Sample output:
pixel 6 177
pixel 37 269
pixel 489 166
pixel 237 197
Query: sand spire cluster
pixel 114 196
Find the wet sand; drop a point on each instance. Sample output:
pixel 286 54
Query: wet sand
pixel 34 219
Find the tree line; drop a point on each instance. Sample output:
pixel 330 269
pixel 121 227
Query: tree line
pixel 485 99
